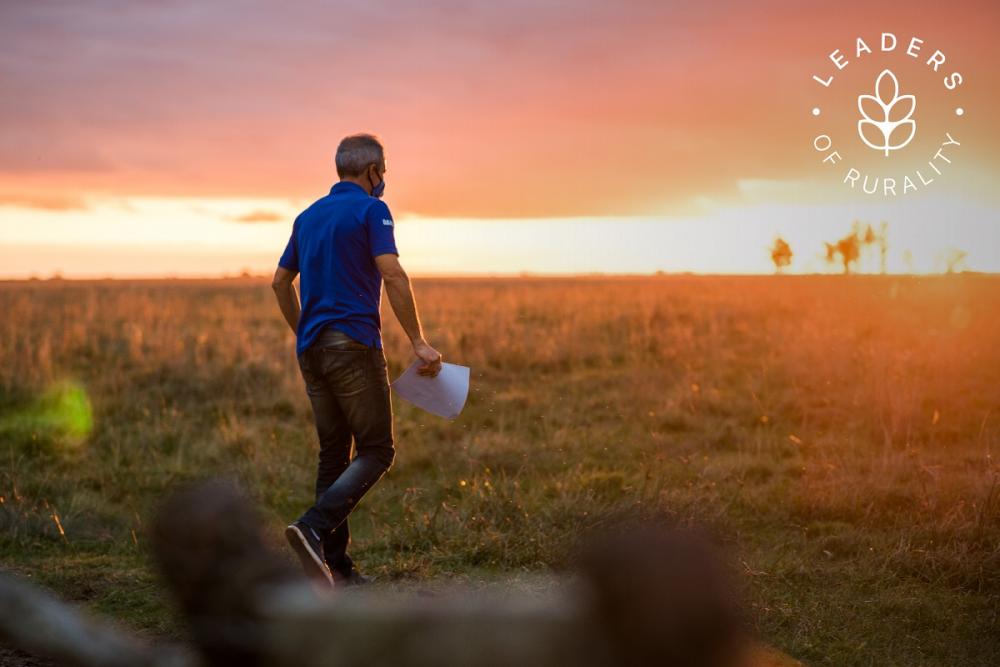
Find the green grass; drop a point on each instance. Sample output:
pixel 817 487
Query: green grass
pixel 838 432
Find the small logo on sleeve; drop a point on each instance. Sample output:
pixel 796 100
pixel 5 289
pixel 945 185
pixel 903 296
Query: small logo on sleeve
pixel 387 221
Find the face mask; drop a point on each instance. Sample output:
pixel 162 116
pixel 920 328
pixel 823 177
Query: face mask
pixel 378 189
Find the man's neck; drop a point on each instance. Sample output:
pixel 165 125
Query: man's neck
pixel 362 182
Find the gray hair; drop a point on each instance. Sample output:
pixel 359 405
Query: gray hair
pixel 356 152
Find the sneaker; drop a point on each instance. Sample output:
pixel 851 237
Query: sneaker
pixel 308 545
pixel 355 578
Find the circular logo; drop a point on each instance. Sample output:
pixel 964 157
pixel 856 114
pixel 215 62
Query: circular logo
pixel 871 130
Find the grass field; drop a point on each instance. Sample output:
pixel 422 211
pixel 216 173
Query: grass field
pixel 840 431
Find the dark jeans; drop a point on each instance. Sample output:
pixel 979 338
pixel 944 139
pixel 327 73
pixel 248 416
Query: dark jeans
pixel 348 385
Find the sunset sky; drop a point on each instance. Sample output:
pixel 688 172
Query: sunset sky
pixel 183 137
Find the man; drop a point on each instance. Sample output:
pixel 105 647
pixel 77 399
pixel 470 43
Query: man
pixel 343 247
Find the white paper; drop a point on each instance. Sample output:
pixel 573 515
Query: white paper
pixel 443 395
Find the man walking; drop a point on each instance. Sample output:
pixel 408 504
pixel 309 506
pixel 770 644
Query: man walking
pixel 343 247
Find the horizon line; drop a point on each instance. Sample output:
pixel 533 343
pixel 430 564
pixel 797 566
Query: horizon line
pixel 56 277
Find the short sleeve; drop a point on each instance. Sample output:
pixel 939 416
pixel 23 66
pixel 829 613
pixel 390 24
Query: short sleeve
pixel 290 258
pixel 381 229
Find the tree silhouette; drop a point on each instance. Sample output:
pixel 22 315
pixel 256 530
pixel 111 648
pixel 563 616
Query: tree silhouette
pixel 883 245
pixel 954 260
pixel 781 254
pixel 849 249
pixel 870 237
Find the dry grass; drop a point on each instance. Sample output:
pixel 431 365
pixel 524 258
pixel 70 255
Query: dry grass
pixel 838 430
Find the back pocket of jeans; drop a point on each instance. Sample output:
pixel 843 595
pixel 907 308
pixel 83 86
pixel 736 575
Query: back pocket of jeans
pixel 345 370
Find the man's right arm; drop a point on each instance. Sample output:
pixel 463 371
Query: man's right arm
pixel 397 286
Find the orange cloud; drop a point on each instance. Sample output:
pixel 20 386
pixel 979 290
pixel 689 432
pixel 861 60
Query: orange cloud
pixel 45 202
pixel 261 216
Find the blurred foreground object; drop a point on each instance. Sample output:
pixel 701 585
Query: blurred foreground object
pixel 642 594
pixel 37 622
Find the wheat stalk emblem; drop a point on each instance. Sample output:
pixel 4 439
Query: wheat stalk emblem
pixel 878 112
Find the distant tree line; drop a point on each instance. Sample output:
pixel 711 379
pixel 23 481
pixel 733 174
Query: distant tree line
pixel 847 251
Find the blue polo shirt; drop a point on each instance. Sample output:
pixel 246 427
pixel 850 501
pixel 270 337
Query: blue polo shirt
pixel 333 247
